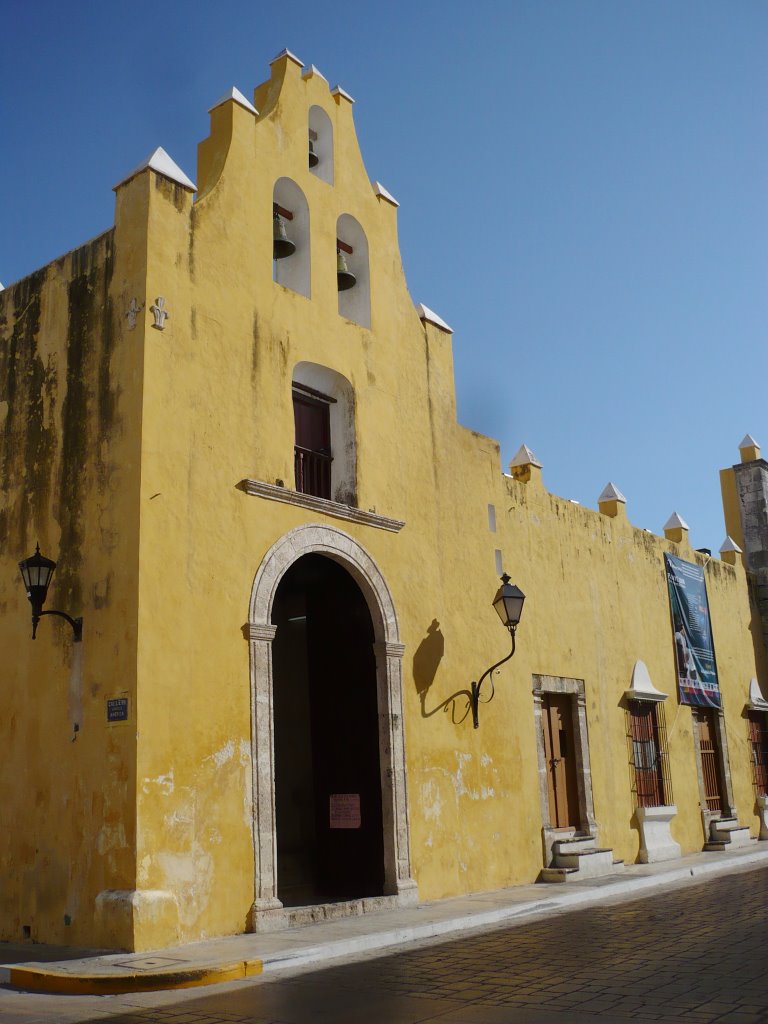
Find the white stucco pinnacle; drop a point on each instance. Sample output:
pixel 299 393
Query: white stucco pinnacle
pixel 289 55
pixel 748 442
pixel 313 72
pixel 161 163
pixel 379 190
pixel 2 287
pixel 729 544
pixel 425 313
pixel 237 96
pixel 338 91
pixel 611 493
pixel 676 522
pixel 525 457
pixel 756 698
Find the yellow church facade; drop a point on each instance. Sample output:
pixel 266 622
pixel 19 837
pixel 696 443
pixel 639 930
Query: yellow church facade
pixel 228 423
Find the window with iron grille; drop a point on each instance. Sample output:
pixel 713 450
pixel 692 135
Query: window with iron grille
pixel 758 739
pixel 648 758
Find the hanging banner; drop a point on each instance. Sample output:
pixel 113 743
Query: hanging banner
pixel 694 649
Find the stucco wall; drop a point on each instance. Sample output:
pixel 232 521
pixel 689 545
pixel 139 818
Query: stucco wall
pixel 69 437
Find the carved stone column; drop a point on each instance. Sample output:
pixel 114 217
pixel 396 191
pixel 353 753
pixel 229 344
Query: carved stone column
pixel 266 906
pixel 397 856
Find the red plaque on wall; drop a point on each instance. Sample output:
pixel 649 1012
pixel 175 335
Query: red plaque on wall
pixel 345 810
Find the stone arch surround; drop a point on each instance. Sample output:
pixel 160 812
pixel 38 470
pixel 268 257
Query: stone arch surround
pixel 267 911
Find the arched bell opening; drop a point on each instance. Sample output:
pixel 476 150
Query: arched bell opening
pixel 290 237
pixel 320 144
pixel 328 803
pixel 352 271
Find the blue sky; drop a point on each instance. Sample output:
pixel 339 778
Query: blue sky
pixel 582 187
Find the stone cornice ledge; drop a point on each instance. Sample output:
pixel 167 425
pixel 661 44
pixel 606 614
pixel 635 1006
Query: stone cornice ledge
pixel 324 505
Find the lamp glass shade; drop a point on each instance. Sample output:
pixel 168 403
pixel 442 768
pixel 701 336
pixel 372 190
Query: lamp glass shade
pixel 509 602
pixel 36 571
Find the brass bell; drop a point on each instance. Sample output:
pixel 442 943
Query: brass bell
pixel 344 275
pixel 282 246
pixel 314 159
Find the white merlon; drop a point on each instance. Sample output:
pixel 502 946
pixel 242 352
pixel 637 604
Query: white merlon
pixel 379 190
pixel 729 544
pixel 525 457
pixel 425 313
pixel 161 163
pixel 237 96
pixel 748 442
pixel 756 698
pixel 611 493
pixel 676 522
pixel 289 55
pixel 312 72
pixel 338 91
pixel 641 687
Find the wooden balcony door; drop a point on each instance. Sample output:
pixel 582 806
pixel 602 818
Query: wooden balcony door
pixel 312 450
pixel 560 755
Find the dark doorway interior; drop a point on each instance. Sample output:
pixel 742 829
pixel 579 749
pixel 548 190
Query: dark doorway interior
pixel 327 777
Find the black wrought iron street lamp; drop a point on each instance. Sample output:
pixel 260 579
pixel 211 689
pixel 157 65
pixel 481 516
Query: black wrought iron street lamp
pixel 509 607
pixel 36 572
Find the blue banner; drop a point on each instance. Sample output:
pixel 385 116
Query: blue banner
pixel 694 648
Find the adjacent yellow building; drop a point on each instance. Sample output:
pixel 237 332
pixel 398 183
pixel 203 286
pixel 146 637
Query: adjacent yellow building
pixel 227 422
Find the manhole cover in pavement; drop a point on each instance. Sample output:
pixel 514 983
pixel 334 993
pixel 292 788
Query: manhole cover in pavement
pixel 150 963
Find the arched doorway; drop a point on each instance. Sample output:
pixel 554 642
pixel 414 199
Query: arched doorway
pixel 327 772
pixel 338 547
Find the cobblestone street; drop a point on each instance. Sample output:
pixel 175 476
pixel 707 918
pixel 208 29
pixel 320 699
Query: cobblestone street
pixel 695 955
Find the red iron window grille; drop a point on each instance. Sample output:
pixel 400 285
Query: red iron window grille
pixel 647 741
pixel 758 739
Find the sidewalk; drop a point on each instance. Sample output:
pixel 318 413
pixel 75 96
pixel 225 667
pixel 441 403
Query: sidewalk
pixel 84 972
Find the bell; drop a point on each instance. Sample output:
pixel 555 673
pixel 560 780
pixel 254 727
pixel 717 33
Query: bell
pixel 314 159
pixel 345 276
pixel 282 246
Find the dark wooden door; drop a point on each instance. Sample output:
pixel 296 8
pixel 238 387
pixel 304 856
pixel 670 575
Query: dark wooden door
pixel 710 759
pixel 559 750
pixel 312 451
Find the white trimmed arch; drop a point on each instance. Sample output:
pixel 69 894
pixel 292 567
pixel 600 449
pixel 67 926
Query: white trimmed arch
pixel 267 911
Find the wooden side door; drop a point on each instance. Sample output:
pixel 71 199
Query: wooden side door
pixel 710 759
pixel 560 754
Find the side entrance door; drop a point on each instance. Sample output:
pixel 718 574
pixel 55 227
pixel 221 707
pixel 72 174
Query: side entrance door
pixel 559 751
pixel 710 759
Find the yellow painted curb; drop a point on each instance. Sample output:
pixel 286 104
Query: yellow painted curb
pixel 41 979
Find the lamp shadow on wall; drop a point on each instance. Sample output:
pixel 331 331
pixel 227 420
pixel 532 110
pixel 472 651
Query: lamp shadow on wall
pixel 426 662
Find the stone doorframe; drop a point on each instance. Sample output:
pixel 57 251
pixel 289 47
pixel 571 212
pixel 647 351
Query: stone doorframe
pixel 724 763
pixel 576 690
pixel 267 910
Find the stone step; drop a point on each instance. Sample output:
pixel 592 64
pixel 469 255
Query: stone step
pixel 589 863
pixel 733 835
pixel 576 844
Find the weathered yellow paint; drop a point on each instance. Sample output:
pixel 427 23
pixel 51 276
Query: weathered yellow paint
pixel 122 450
